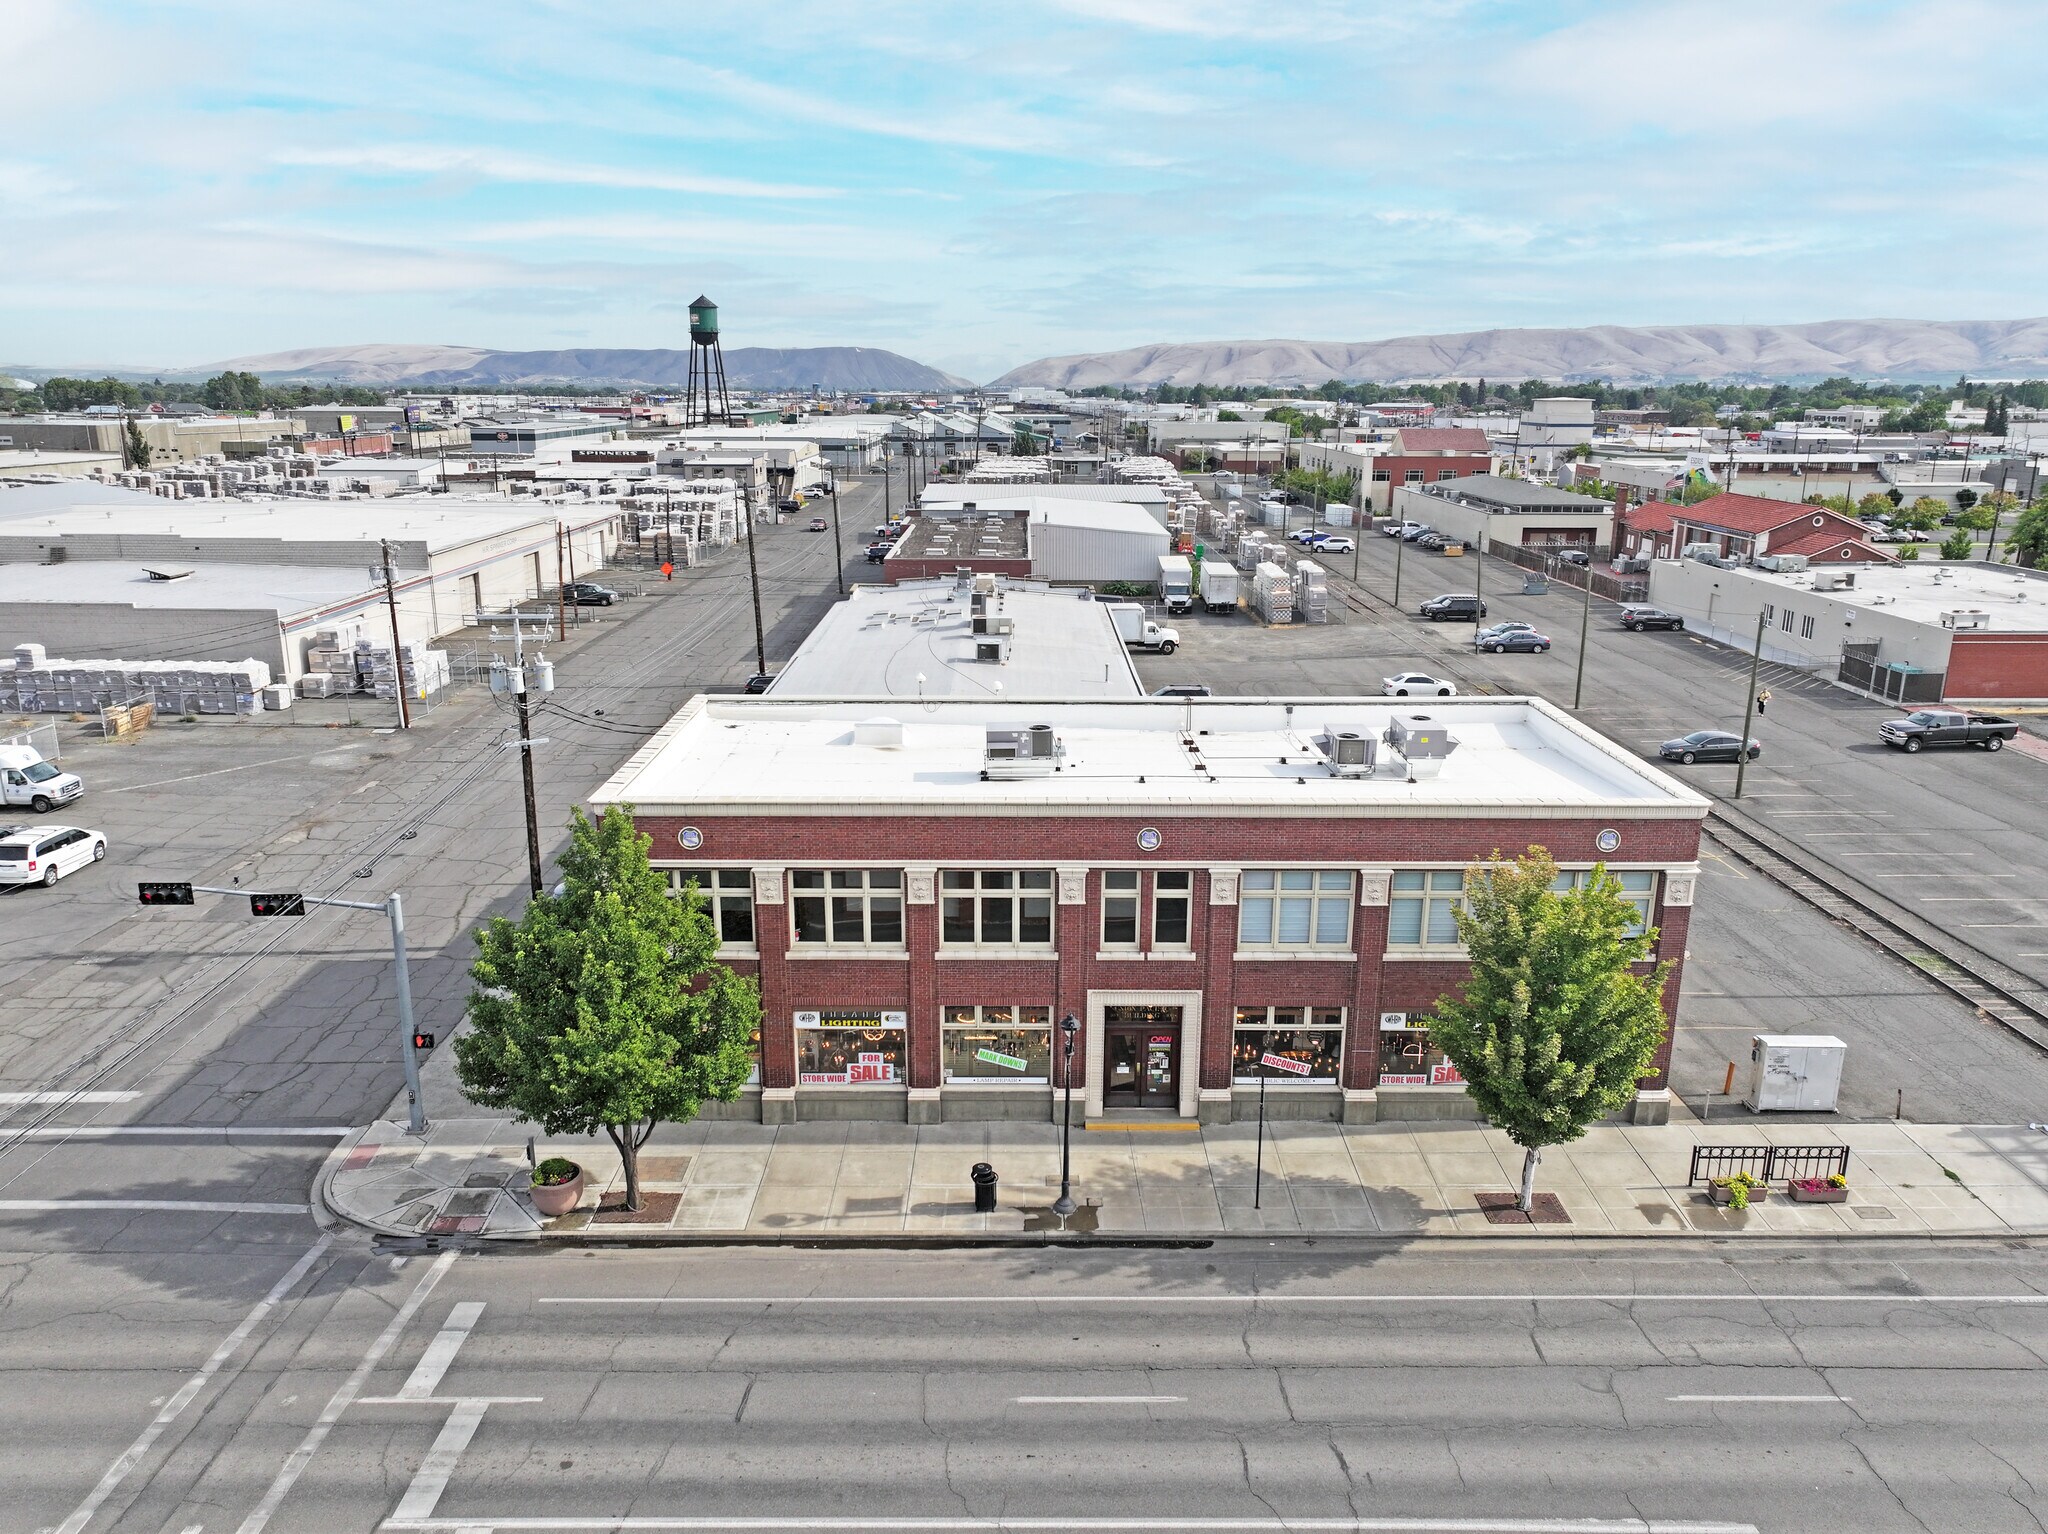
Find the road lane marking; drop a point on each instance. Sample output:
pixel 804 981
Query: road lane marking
pixel 190 777
pixel 1294 1299
pixel 1096 1400
pixel 447 1400
pixel 294 1467
pixel 1266 1525
pixel 158 1205
pixel 423 1494
pixel 133 1455
pixel 440 1353
pixel 23 1099
pixel 198 1131
pixel 1845 1400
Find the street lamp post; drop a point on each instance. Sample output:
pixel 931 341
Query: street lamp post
pixel 1064 1204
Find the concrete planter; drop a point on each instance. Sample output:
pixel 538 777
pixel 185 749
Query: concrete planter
pixel 1821 1195
pixel 558 1198
pixel 1719 1191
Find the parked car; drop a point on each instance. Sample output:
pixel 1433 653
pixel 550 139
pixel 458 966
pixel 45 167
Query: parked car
pixel 1456 604
pixel 45 854
pixel 1522 641
pixel 1707 746
pixel 1901 535
pixel 789 503
pixel 1947 727
pixel 877 552
pixel 1432 540
pixel 1182 690
pixel 1577 557
pixel 1401 529
pixel 588 594
pixel 820 525
pixel 1506 626
pixel 759 682
pixel 1406 683
pixel 1415 530
pixel 1334 543
pixel 1636 619
pixel 1305 534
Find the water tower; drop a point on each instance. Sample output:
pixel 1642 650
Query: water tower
pixel 706 403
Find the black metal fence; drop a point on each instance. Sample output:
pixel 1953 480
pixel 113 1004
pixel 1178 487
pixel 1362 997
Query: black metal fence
pixel 1766 1162
pixel 1896 684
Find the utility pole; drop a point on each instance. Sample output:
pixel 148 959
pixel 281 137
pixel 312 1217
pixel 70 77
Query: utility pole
pixel 1756 661
pixel 1400 548
pixel 838 551
pixel 754 580
pixel 397 650
pixel 887 514
pixel 521 681
pixel 561 590
pixel 1585 623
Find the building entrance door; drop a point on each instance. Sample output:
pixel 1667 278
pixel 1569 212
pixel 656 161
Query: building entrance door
pixel 1141 1056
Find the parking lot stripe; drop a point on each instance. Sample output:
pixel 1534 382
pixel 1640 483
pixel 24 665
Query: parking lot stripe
pixel 164 1205
pixel 23 1099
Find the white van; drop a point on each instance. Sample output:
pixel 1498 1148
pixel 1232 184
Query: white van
pixel 30 783
pixel 44 854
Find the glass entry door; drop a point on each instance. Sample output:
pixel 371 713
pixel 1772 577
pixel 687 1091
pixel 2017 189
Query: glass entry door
pixel 1141 1056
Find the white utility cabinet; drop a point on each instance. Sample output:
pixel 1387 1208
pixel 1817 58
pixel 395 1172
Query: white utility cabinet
pixel 1794 1072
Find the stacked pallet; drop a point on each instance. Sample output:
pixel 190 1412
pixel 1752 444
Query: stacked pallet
pixel 1311 592
pixel 1273 593
pixel 381 671
pixel 40 684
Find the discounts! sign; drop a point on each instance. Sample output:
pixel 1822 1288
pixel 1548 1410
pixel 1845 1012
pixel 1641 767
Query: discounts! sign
pixel 1282 1063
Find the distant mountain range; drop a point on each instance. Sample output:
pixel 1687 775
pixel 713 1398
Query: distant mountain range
pixel 850 368
pixel 1904 350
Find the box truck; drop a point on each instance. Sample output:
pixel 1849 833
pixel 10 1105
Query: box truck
pixel 1138 631
pixel 1219 586
pixel 28 782
pixel 1176 583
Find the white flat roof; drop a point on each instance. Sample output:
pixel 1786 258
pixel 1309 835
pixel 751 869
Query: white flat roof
pixel 2016 600
pixel 287 590
pixel 438 521
pixel 916 640
pixel 1252 757
pixel 1000 493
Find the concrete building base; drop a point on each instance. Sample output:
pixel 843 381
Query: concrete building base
pixel 840 1105
pixel 1427 1105
pixel 1651 1107
pixel 745 1109
pixel 1361 1107
pixel 1213 1106
pixel 778 1105
pixel 924 1106
pixel 1291 1105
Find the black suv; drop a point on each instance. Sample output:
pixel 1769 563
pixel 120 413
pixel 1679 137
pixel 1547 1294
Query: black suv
pixel 588 594
pixel 1457 605
pixel 1637 619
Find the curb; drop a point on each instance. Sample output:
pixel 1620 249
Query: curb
pixel 325 1214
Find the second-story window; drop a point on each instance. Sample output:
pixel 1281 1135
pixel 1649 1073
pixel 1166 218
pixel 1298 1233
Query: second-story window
pixel 848 907
pixel 1423 910
pixel 729 892
pixel 1120 908
pixel 1294 908
pixel 1172 898
pixel 1000 908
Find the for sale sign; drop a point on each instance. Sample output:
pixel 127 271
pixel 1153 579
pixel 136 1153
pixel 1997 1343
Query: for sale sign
pixel 1282 1063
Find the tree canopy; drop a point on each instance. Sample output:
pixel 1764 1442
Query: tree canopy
pixel 1555 1028
pixel 604 1007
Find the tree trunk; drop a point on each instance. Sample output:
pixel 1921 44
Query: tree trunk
pixel 628 1145
pixel 1530 1157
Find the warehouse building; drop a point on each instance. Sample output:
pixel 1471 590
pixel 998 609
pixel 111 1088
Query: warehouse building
pixel 1046 537
pixel 139 576
pixel 977 637
pixel 1914 633
pixel 1494 511
pixel 924 891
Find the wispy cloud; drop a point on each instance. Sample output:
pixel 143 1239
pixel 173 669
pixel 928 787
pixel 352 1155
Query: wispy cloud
pixel 421 160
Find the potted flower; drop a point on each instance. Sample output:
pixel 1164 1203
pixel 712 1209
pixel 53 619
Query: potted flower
pixel 1737 1192
pixel 557 1185
pixel 1818 1190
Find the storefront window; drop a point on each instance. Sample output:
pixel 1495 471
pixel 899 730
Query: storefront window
pixel 997 1046
pixel 836 1049
pixel 1409 1059
pixel 1310 1036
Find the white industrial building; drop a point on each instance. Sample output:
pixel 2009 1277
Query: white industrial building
pixel 89 569
pixel 1493 511
pixel 983 637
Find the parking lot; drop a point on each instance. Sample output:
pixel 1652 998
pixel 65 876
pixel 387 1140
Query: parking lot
pixel 1953 835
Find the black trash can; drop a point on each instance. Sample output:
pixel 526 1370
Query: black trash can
pixel 984 1188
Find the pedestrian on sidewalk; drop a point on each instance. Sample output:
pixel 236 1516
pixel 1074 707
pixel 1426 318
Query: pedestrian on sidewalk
pixel 1762 698
pixel 668 571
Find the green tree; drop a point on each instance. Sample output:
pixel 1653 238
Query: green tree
pixel 603 1007
pixel 1229 415
pixel 1965 498
pixel 1556 1028
pixel 1925 512
pixel 1875 505
pixel 1981 515
pixel 2029 541
pixel 134 446
pixel 1957 545
pixel 1024 442
pixel 1896 496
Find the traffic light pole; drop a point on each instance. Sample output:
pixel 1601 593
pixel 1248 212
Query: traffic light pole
pixel 394 908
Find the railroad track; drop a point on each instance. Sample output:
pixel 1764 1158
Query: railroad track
pixel 1956 966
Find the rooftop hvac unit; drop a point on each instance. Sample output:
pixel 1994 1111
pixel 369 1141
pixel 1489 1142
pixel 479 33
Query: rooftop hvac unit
pixel 1422 742
pixel 1028 752
pixel 994 649
pixel 1347 753
pixel 1702 551
pixel 1971 618
pixel 880 732
pixel 1784 564
pixel 1834 580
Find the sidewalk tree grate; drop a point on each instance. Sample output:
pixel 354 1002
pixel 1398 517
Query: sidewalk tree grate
pixel 655 1209
pixel 1547 1209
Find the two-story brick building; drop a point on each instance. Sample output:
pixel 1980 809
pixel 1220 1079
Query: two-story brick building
pixel 925 890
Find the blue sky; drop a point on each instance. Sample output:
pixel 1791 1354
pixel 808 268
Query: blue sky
pixel 183 181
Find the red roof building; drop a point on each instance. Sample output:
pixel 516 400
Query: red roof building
pixel 1745 526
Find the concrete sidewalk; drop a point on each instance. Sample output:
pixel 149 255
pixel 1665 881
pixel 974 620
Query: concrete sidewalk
pixel 468 1177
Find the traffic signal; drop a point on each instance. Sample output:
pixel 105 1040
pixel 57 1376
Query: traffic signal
pixel 292 904
pixel 164 894
pixel 423 1041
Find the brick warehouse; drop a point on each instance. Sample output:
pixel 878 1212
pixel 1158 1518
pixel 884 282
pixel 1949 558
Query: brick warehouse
pixel 924 892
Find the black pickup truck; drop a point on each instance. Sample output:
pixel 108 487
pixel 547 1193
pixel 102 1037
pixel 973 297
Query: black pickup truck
pixel 1947 727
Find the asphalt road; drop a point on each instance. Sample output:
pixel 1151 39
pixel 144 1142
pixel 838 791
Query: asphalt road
pixel 1247 1387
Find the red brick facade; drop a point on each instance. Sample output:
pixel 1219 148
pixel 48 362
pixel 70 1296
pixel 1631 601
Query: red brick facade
pixel 1365 980
pixel 1997 666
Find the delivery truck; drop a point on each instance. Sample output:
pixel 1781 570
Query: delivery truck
pixel 1219 585
pixel 1176 583
pixel 1138 631
pixel 28 782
